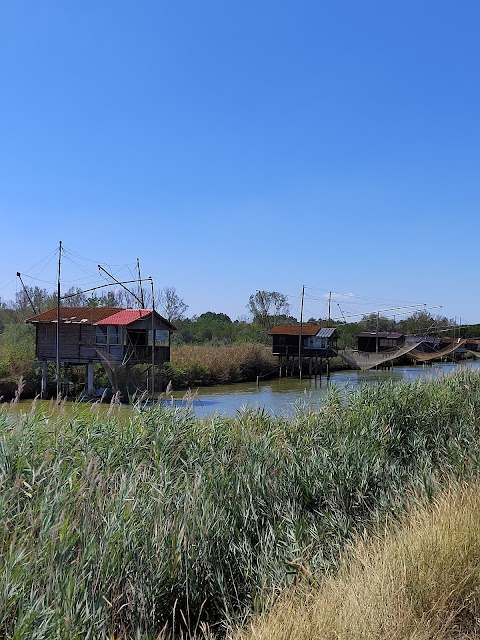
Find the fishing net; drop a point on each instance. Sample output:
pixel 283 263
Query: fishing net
pixel 123 378
pixel 365 360
pixel 476 354
pixel 425 357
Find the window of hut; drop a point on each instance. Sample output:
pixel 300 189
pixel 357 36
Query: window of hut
pixel 113 335
pixel 101 335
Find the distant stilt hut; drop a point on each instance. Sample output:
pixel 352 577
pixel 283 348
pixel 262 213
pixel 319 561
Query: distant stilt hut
pixel 297 344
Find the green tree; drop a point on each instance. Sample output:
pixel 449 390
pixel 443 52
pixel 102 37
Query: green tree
pixel 424 323
pixel 268 307
pixel 40 298
pixel 375 322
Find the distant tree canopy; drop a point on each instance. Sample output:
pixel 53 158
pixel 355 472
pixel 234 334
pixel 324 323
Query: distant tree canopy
pixel 268 308
pixel 470 331
pixel 32 298
pixel 424 323
pixel 374 322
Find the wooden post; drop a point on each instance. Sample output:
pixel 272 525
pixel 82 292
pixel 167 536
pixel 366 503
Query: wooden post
pixel 90 385
pixel 43 388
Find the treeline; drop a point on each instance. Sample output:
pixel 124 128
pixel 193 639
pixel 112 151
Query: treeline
pixel 265 309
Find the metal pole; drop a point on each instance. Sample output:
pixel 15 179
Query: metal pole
pixel 300 336
pixel 153 339
pixel 120 283
pixel 59 386
pixel 141 287
pixel 19 275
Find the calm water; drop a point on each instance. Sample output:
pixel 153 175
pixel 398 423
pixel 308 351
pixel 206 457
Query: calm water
pixel 281 396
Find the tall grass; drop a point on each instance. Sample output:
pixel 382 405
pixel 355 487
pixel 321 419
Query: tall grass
pixel 124 528
pixel 421 580
pixel 200 365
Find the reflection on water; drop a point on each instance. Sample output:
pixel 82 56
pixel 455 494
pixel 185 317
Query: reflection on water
pixel 280 396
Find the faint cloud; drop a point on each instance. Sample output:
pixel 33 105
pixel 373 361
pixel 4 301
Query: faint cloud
pixel 338 296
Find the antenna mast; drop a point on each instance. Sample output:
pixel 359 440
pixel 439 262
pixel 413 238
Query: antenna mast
pixel 153 336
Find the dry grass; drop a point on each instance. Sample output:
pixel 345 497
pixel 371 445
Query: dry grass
pixel 421 581
pixel 234 363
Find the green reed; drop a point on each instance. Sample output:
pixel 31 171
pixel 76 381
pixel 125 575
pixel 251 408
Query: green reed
pixel 165 524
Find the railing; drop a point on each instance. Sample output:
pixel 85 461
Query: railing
pixel 144 354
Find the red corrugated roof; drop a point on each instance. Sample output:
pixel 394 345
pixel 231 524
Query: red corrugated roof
pixel 86 315
pixel 126 316
pixel 294 330
pixel 97 315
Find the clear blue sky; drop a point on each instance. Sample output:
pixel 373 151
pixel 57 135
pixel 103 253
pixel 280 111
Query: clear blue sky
pixel 241 145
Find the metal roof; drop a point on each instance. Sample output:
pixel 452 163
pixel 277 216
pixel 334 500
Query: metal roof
pixel 304 330
pixel 326 332
pixel 84 315
pixel 125 317
pixel 96 315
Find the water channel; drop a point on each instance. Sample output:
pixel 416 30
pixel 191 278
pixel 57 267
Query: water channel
pixel 280 396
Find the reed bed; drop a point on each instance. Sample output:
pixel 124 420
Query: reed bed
pixel 200 365
pixel 163 525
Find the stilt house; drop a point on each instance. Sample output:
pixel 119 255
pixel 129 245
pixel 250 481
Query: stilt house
pixel 304 340
pixel 91 335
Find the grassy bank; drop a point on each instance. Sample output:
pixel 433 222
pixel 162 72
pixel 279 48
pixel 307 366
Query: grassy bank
pixel 421 580
pixel 195 365
pixel 123 529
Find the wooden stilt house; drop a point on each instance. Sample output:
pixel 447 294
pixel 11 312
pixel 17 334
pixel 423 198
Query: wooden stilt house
pixel 305 342
pixel 109 336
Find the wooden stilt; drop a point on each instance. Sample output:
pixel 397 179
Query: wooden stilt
pixel 43 388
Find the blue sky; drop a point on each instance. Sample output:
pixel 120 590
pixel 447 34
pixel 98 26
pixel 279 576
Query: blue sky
pixel 239 145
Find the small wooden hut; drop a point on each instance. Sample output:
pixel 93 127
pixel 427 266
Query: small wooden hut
pixel 309 342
